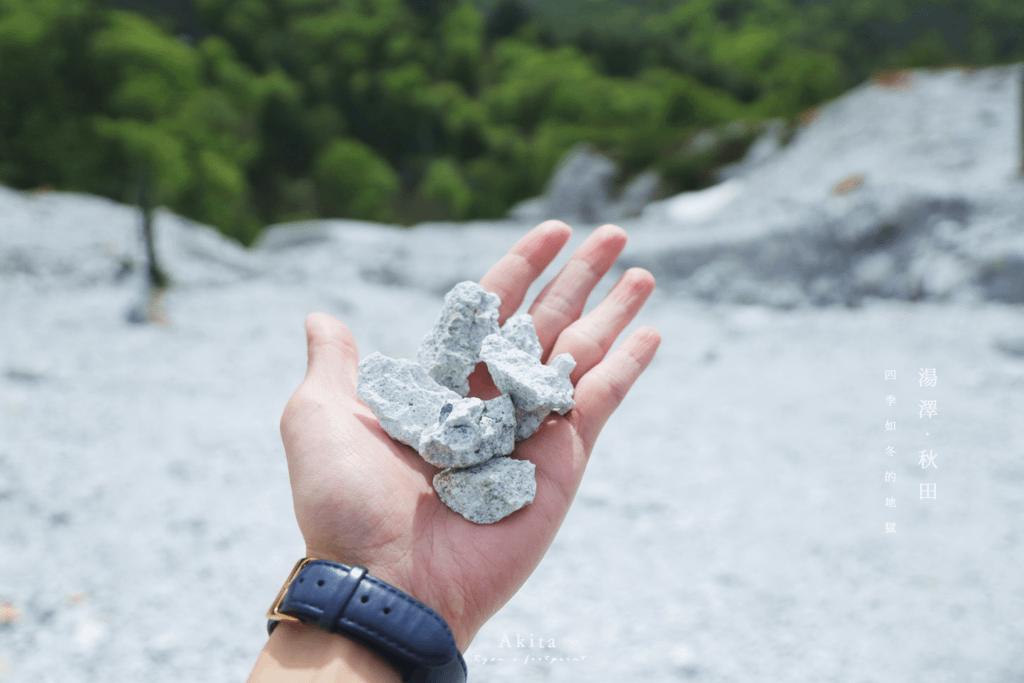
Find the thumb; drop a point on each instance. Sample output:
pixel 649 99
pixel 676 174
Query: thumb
pixel 332 354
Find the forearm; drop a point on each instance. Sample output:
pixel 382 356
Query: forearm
pixel 300 653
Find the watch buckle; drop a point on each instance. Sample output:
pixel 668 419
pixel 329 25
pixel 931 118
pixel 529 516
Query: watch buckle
pixel 273 612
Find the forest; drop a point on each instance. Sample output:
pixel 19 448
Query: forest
pixel 245 113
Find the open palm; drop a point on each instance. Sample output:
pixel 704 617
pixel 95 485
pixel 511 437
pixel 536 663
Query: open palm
pixel 362 498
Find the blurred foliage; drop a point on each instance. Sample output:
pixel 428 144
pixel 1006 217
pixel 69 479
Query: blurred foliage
pixel 352 180
pixel 248 112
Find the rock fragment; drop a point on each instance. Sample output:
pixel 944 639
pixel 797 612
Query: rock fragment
pixel 528 422
pixel 531 384
pixel 451 349
pixel 402 396
pixel 470 431
pixel 520 331
pixel 489 491
pixel 535 389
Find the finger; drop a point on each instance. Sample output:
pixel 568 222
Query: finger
pixel 589 338
pixel 600 391
pixel 332 354
pixel 512 275
pixel 331 370
pixel 561 302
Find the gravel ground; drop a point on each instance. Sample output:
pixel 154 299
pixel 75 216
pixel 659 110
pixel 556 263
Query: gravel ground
pixel 731 525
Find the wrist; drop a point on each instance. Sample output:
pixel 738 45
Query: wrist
pixel 447 608
pixel 302 652
pixel 347 601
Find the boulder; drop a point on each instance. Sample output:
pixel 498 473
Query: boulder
pixel 579 188
pixel 637 194
pixel 580 191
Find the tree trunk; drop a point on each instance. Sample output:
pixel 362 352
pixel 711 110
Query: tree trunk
pixel 156 278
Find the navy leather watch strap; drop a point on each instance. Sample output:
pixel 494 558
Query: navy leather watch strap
pixel 348 601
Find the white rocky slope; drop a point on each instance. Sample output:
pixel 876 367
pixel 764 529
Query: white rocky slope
pixel 932 206
pixel 731 525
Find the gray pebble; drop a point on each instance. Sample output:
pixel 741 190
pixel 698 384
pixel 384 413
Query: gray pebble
pixel 451 349
pixel 402 396
pixel 489 491
pixel 470 431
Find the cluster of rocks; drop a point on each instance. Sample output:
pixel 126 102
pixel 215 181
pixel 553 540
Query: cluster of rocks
pixel 424 404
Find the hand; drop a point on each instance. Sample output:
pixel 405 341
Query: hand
pixel 362 498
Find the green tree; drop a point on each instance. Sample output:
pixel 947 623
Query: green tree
pixel 444 184
pixel 353 181
pixel 182 117
pixel 412 109
pixel 48 89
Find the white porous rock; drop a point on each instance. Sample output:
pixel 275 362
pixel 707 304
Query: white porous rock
pixel 451 349
pixel 528 422
pixel 520 331
pixel 535 389
pixel 487 492
pixel 470 431
pixel 402 396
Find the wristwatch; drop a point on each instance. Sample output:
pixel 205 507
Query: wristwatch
pixel 348 601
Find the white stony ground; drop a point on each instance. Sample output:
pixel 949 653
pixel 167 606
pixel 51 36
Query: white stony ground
pixel 731 525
